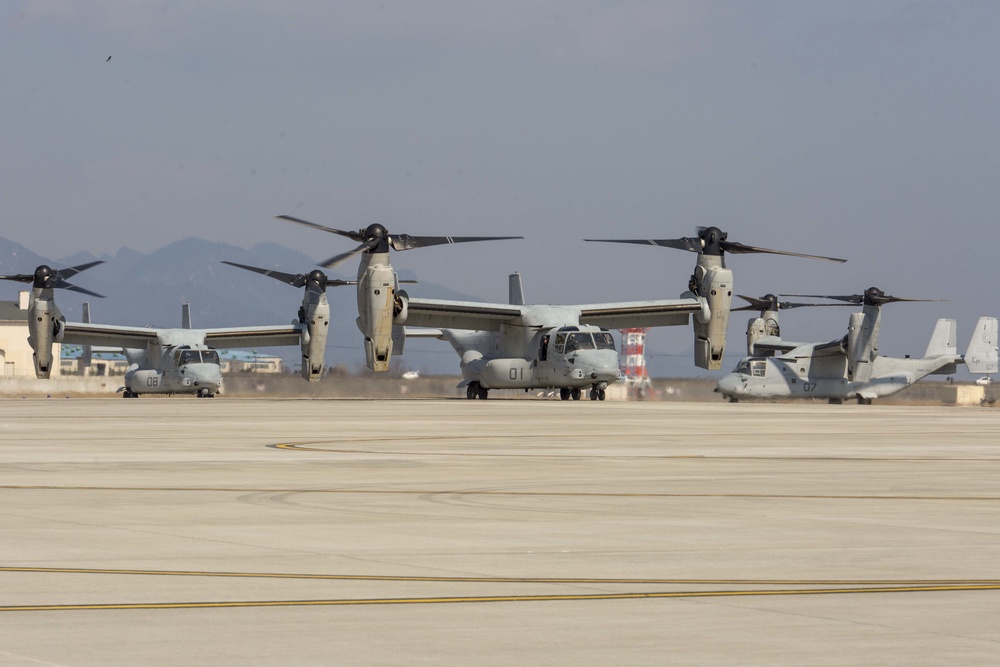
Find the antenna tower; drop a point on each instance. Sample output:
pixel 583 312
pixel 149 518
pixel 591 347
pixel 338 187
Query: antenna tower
pixel 632 362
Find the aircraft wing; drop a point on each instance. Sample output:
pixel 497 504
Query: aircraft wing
pixel 775 344
pixel 421 332
pixel 107 335
pixel 272 336
pixel 628 314
pixel 443 314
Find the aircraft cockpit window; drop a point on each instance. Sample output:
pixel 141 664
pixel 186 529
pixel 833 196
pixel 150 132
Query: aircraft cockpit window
pixel 604 341
pixel 758 367
pixel 189 357
pixel 743 368
pixel 560 342
pixel 210 357
pixel 579 341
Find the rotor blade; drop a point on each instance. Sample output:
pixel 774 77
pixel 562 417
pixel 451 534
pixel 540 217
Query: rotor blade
pixel 344 256
pixel 407 242
pixel 19 277
pixel 62 284
pixel 295 280
pixel 73 270
pixel 689 243
pixel 785 305
pixel 740 248
pixel 355 236
pixel 408 282
pixel 855 299
pixel 894 299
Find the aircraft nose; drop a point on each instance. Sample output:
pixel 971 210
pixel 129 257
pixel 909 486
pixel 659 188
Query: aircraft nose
pixel 205 375
pixel 731 384
pixel 603 367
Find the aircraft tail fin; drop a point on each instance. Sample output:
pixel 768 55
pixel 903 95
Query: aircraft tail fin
pixel 516 289
pixel 186 316
pixel 981 356
pixel 943 340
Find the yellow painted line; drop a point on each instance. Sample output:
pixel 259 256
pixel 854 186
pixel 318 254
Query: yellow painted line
pixel 311 447
pixel 476 492
pixel 530 580
pixel 492 598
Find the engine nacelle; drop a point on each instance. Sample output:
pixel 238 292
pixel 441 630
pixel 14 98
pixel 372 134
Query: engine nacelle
pixel 714 283
pixel 45 328
pixel 376 299
pixel 758 328
pixel 316 323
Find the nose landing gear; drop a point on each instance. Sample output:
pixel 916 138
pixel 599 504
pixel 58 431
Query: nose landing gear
pixel 475 390
pixel 596 394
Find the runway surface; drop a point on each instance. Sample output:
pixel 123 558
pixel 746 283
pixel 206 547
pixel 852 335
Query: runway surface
pixel 317 532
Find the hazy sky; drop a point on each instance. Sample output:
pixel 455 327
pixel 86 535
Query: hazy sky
pixel 866 130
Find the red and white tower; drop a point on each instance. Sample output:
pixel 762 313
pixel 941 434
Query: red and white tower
pixel 632 362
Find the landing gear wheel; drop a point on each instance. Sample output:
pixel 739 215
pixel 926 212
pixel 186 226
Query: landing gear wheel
pixel 836 401
pixel 470 391
pixel 564 393
pixel 864 401
pixel 204 393
pixel 483 393
pixel 600 394
pixel 593 394
pixel 733 399
pixel 576 393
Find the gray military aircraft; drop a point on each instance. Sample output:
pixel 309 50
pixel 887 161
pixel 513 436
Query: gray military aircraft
pixel 849 367
pixel 169 361
pixel 380 301
pixel 383 309
pixel 538 346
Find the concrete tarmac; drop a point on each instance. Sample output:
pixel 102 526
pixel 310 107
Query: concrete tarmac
pixel 167 531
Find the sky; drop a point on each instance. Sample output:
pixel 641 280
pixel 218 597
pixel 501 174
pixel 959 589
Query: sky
pixel 863 130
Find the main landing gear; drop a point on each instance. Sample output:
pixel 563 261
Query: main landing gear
pixel 565 393
pixel 475 390
pixel 596 394
pixel 205 393
pixel 128 393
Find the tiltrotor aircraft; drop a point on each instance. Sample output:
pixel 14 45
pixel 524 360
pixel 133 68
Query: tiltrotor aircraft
pixel 849 367
pixel 169 361
pixel 380 302
pixel 383 310
pixel 570 347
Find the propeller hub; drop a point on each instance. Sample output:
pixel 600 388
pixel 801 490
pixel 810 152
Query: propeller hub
pixel 43 275
pixel 711 240
pixel 378 237
pixel 317 277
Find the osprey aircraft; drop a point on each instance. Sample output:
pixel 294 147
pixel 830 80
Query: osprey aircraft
pixel 170 361
pixel 849 367
pixel 515 345
pixel 519 346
